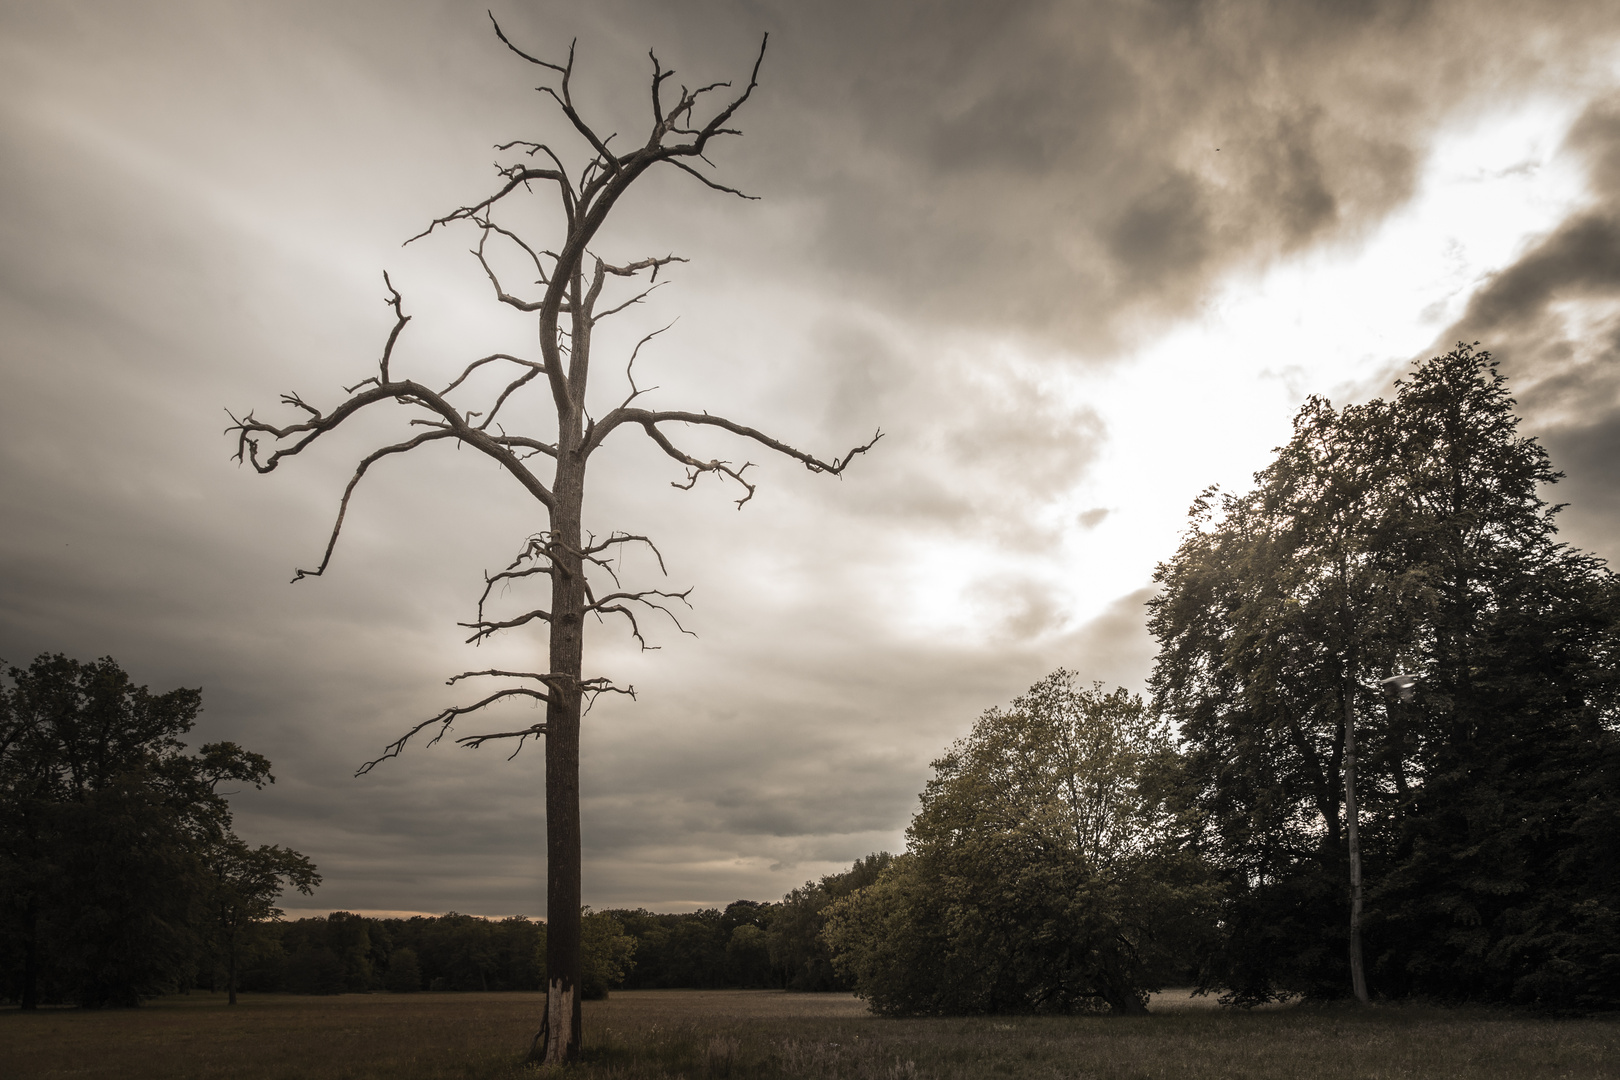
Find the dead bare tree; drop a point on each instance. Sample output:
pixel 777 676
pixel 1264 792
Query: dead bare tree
pixel 576 282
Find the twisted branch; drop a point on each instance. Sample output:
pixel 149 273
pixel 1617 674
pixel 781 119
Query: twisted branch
pixel 446 718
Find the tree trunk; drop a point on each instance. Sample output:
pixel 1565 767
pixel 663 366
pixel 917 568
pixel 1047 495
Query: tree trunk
pixel 230 968
pixel 30 986
pixel 1358 975
pixel 563 1028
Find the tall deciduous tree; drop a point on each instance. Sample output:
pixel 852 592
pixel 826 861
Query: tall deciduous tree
pixel 105 820
pixel 575 296
pixel 244 884
pixel 1042 873
pixel 1400 535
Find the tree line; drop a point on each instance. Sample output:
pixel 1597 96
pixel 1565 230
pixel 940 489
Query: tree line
pixel 1273 824
pixel 122 878
pixel 748 944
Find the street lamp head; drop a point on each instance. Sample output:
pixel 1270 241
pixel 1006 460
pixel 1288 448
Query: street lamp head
pixel 1404 685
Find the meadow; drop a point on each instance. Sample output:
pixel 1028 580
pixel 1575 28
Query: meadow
pixel 650 1034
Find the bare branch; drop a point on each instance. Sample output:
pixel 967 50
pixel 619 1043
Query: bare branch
pixel 497 673
pixel 566 98
pixel 485 628
pixel 400 319
pixel 696 468
pixel 343 504
pixel 405 393
pixel 532 365
pixel 649 421
pixel 684 167
pixel 514 180
pixel 659 75
pixel 655 264
pixel 537 148
pixel 533 60
pixel 489 226
pixel 602 607
pixel 500 293
pixel 508 575
pixel 717 126
pixel 526 443
pixel 626 538
pixel 473 742
pixel 444 720
pixel 629 367
pixel 641 597
pixel 595 688
pixel 535 547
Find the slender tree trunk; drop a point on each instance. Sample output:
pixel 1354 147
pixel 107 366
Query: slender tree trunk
pixel 230 967
pixel 564 1027
pixel 30 986
pixel 1358 975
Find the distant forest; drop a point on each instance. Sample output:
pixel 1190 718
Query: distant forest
pixel 121 878
pixel 749 944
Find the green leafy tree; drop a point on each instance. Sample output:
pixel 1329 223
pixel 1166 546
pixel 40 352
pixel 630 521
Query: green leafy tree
pixel 798 948
pixel 1400 535
pixel 245 884
pixel 1290 589
pixel 1042 874
pixel 104 821
pixel 609 953
pixel 404 975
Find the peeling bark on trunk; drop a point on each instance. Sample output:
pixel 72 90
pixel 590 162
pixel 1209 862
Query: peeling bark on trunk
pixel 564 964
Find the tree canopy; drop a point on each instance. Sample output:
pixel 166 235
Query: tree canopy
pixel 1041 874
pixel 114 840
pixel 1407 535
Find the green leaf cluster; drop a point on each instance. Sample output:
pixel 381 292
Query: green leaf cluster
pixel 1043 873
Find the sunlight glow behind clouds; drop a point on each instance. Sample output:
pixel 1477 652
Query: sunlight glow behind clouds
pixel 1206 403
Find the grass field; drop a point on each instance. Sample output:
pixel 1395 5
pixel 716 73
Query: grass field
pixel 641 1035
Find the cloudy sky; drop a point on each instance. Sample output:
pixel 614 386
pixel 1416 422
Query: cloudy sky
pixel 1078 261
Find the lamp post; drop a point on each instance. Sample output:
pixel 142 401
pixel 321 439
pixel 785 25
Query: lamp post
pixel 1405 686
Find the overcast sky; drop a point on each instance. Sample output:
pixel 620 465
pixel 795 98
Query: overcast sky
pixel 1078 261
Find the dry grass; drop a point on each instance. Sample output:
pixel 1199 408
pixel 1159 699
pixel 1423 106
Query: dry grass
pixel 648 1035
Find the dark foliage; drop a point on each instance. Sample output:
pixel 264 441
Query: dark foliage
pixel 1042 875
pixel 111 837
pixel 749 944
pixel 1406 535
pixel 346 953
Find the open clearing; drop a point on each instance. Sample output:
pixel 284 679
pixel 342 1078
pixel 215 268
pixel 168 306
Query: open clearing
pixel 702 1034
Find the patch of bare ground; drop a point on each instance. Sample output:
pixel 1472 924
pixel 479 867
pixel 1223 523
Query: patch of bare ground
pixel 652 1035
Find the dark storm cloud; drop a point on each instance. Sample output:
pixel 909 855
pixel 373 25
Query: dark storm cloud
pixel 1074 168
pixel 1553 319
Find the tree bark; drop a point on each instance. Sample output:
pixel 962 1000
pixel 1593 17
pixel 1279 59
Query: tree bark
pixel 564 1026
pixel 1358 975
pixel 30 986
